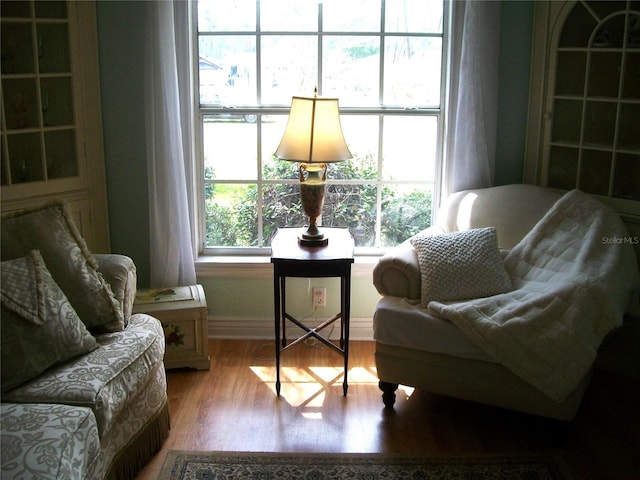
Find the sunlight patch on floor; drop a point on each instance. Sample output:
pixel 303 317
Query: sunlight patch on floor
pixel 361 375
pixel 327 374
pixel 307 386
pixel 309 395
pixel 408 391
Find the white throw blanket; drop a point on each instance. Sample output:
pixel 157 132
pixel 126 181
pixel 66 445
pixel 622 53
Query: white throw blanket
pixel 572 276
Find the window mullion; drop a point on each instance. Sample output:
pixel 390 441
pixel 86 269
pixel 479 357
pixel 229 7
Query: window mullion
pixel 382 51
pixel 320 47
pixel 259 208
pixel 259 189
pixel 258 55
pixel 378 226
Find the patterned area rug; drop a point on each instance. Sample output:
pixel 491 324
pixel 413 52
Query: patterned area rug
pixel 309 466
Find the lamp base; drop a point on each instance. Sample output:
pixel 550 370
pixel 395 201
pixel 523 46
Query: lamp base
pixel 312 239
pixel 305 242
pixel 313 179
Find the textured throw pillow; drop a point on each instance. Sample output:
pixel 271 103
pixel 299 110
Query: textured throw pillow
pixel 39 327
pixel 51 230
pixel 460 265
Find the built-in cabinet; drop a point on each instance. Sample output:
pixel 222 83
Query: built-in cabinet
pixel 51 123
pixel 584 117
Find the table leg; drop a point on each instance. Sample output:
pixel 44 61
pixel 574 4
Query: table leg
pixel 277 319
pixel 283 308
pixel 344 321
pixel 341 320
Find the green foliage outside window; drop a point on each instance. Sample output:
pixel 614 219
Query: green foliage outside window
pixel 405 215
pixel 234 222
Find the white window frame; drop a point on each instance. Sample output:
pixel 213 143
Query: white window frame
pixel 232 254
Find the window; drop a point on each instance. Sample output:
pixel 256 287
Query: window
pixel 383 60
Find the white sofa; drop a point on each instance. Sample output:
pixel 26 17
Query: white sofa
pixel 415 348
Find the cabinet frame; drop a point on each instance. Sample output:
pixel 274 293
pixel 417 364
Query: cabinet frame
pixel 549 20
pixel 86 191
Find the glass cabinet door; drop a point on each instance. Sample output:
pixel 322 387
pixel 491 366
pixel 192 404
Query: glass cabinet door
pixel 594 140
pixel 38 124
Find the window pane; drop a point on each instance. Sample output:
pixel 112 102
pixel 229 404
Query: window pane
pixel 599 123
pixel 272 169
pixel 351 16
pixel 406 210
pixel 352 206
pixel 627 176
pixel 413 16
pixel 361 135
pixel 629 127
pixel 409 148
pixel 595 171
pixel 227 70
pixel 230 214
pixel 604 74
pixel 631 87
pixel 567 120
pixel 282 207
pixel 229 148
pixel 563 167
pixel 351 69
pixel 412 71
pixel 290 66
pixel 230 15
pixel 288 15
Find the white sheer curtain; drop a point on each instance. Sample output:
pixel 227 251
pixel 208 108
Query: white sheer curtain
pixel 471 139
pixel 169 142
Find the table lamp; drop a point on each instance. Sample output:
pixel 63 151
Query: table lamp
pixel 314 138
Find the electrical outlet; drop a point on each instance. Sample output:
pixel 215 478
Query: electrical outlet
pixel 319 297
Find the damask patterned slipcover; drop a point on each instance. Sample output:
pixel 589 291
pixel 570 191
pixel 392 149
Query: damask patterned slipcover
pixel 100 415
pixel 49 441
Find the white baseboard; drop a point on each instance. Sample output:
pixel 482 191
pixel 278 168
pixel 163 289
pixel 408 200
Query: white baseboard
pixel 263 328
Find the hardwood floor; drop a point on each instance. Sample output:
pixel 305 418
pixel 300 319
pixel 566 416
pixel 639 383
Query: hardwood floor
pixel 234 407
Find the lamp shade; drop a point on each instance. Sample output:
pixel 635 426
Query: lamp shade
pixel 313 133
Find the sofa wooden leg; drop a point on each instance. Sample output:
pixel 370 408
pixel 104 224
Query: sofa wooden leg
pixel 388 393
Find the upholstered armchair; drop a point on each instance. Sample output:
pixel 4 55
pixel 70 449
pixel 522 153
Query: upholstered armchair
pixel 425 342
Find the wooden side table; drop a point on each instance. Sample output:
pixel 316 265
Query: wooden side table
pixel 290 259
pixel 183 314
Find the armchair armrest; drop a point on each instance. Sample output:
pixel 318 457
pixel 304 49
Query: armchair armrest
pixel 397 273
pixel 120 272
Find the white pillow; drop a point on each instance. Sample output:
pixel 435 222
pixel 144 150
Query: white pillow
pixel 460 265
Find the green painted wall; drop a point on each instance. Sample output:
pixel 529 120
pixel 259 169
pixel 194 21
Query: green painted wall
pixel 121 51
pixel 253 297
pixel 515 55
pixel 120 33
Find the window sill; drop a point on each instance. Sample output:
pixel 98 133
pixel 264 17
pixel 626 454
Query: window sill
pixel 260 266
